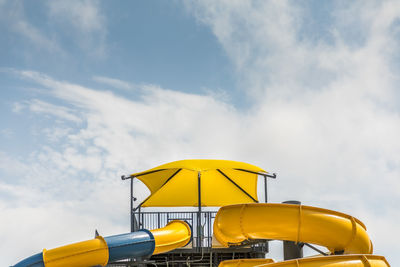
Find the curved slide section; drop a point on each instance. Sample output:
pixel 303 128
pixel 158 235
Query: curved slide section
pixel 174 235
pixel 332 261
pixel 342 260
pixel 339 232
pixel 100 251
pixel 245 262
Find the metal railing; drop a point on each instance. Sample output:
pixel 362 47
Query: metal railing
pixel 201 223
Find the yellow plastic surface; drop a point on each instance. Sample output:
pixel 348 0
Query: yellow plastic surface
pixel 245 262
pixel 203 165
pixel 174 235
pixel 337 231
pixel 216 190
pixel 334 261
pixel 87 253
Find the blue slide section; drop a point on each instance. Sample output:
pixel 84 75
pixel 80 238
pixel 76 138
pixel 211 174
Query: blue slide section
pixel 130 245
pixel 123 246
pixel 33 261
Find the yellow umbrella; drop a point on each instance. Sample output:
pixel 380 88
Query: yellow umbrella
pixel 197 183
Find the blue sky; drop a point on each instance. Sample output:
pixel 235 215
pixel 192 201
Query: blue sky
pixel 91 90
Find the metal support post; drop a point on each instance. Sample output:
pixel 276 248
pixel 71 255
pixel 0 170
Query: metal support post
pixel 292 250
pixel 131 199
pixel 199 232
pixel 265 189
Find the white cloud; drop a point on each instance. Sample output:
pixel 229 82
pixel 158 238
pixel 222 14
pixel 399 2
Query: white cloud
pixel 114 83
pixel 17 107
pixel 12 14
pixel 65 113
pixel 55 134
pixel 35 36
pixel 85 18
pixel 78 20
pixel 84 15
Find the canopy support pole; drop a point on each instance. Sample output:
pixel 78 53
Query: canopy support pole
pixel 265 189
pixel 132 223
pixel 199 232
pixel 273 176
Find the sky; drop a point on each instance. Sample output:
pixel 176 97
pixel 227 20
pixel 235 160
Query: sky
pixel 92 90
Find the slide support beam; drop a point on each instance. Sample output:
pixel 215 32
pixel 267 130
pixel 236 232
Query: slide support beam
pixel 292 250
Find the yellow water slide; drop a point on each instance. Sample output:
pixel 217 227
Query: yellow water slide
pixel 338 232
pixel 99 251
pixel 331 261
pixel 245 262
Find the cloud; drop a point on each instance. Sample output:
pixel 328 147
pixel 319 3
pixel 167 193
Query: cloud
pixel 12 14
pixel 35 36
pixel 269 44
pixel 114 83
pixel 117 124
pixel 17 107
pixel 84 15
pixel 39 106
pixel 87 21
pixel 79 21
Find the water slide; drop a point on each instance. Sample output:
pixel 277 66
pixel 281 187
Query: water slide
pixel 360 260
pixel 99 251
pixel 338 232
pixel 343 235
pixel 245 262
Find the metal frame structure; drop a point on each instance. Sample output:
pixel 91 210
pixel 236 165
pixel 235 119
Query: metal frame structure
pixel 133 198
pixel 200 251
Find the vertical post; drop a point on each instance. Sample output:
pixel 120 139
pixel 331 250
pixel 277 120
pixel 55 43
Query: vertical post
pixel 131 212
pixel 199 211
pixel 265 189
pixel 131 207
pixel 292 250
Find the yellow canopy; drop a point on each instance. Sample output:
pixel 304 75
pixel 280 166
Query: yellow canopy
pixel 219 182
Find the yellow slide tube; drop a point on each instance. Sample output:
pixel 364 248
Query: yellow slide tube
pixel 339 232
pixel 333 261
pixel 87 253
pixel 174 235
pixel 98 251
pixel 245 262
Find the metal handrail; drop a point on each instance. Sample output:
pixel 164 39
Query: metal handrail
pixel 202 236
